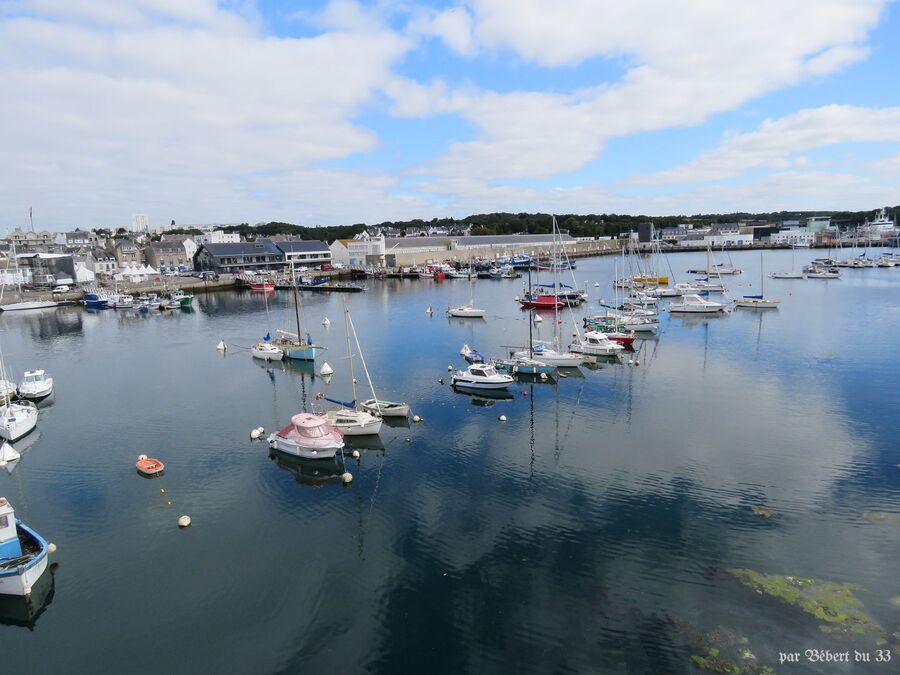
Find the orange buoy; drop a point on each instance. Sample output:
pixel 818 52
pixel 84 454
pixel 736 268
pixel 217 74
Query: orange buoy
pixel 149 467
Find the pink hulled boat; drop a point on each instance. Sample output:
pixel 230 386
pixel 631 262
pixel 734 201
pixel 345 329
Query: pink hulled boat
pixel 308 436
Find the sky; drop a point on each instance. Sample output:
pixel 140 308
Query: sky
pixel 335 112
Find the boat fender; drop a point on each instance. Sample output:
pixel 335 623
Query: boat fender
pixel 543 376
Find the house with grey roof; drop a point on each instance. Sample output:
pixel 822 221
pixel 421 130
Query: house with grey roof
pixel 304 252
pixel 239 257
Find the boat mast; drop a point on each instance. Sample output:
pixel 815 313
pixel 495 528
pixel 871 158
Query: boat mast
pixel 296 301
pixel 363 360
pixel 349 350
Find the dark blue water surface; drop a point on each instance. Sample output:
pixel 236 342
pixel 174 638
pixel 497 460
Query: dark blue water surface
pixel 591 532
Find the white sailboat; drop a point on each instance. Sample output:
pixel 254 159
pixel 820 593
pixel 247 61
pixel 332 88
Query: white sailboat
pixel 264 350
pixel 694 304
pixel 348 419
pixel 793 274
pixel 468 311
pixel 758 301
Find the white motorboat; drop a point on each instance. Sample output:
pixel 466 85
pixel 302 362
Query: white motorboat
pixel 23 554
pixel 596 343
pixel 694 304
pixel 35 385
pixel 466 312
pixel 353 422
pixel 266 351
pixel 123 301
pixel 724 268
pixel 17 419
pixel 546 354
pixel 819 272
pixel 480 376
pixel 386 408
pixel 28 304
pixel 708 286
pixel 665 292
pixel 786 275
pixel 308 436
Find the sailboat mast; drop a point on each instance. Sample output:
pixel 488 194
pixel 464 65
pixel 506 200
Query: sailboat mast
pixel 363 361
pixel 296 300
pixel 349 350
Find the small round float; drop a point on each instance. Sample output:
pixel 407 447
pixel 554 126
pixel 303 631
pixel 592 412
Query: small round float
pixel 149 467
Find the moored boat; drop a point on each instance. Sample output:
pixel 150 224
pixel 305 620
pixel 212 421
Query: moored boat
pixel 17 419
pixel 35 385
pixel 23 554
pixel 694 304
pixel 149 466
pixel 308 436
pixel 480 376
pixel 266 351
pixel 385 408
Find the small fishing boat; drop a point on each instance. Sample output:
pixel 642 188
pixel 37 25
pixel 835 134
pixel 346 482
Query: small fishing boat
pixel 541 302
pixel 386 408
pixel 183 300
pixel 123 301
pixel 35 385
pixel 266 351
pixel 596 343
pixel 150 467
pixel 95 298
pixel 480 376
pixel 262 283
pixel 23 554
pixel 694 304
pixel 17 419
pixel 308 436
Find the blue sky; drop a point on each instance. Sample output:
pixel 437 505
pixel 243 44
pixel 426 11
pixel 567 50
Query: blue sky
pixel 338 111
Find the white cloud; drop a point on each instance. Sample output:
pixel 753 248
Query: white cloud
pixel 685 62
pixel 453 26
pixel 776 143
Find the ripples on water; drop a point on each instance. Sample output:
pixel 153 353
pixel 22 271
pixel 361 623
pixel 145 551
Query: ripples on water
pixel 590 532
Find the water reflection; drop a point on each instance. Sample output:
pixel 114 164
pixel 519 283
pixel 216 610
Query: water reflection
pixel 310 472
pixel 25 612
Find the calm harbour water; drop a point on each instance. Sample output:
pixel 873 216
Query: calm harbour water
pixel 582 535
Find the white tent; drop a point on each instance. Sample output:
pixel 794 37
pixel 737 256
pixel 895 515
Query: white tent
pixel 83 275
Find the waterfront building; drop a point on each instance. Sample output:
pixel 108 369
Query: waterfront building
pixel 304 252
pixel 238 257
pixel 169 253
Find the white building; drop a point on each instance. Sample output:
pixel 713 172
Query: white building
pixel 800 236
pixel 305 252
pixel 140 222
pixel 218 237
pixel 365 251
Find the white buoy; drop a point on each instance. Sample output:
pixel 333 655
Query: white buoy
pixel 543 376
pixel 596 284
pixel 326 369
pixel 516 298
pixel 416 418
pixel 574 333
pixel 221 346
pixel 184 521
pixel 254 434
pixel 502 418
pixel 630 362
pixel 51 548
pixel 355 454
pixel 538 319
pixel 347 478
pixel 140 457
pixel 326 322
pixel 262 430
pixel 449 369
pixel 429 311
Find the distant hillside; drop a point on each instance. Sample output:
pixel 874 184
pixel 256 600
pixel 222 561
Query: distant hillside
pixel 591 225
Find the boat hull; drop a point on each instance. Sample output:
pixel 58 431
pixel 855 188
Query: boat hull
pixel 386 408
pixel 16 420
pixel 20 580
pixel 299 353
pixel 469 383
pixel 33 304
pixel 289 447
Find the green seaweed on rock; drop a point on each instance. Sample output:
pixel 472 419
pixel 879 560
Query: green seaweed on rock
pixel 829 601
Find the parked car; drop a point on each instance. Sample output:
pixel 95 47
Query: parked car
pixel 61 288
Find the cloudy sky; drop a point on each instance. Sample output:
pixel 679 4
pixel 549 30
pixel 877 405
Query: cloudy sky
pixel 345 111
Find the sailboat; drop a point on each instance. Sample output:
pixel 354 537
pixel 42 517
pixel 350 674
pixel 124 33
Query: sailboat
pixel 788 275
pixel 758 301
pixel 16 418
pixel 468 311
pixel 348 419
pixel 292 344
pixel 541 350
pixel 264 349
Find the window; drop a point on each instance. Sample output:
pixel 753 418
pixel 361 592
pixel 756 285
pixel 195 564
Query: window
pixel 4 522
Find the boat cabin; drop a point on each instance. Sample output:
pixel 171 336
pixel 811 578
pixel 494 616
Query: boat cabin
pixel 483 371
pixel 9 539
pixel 34 377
